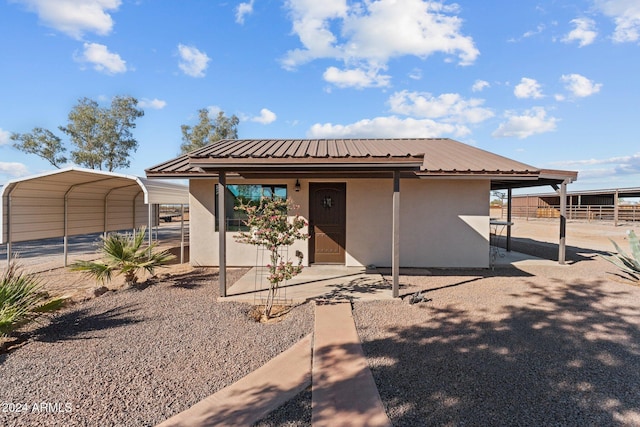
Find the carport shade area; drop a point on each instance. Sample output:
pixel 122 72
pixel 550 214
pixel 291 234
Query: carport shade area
pixel 75 201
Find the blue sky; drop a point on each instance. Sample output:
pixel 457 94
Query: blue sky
pixel 550 83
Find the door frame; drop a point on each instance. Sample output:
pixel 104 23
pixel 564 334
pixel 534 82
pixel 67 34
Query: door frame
pixel 312 248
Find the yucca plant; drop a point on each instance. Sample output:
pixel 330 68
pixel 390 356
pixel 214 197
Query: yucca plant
pixel 629 264
pixel 124 254
pixel 22 298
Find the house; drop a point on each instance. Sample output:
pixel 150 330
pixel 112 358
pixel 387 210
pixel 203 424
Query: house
pixel 386 202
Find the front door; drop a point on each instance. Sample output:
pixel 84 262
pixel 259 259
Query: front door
pixel 327 222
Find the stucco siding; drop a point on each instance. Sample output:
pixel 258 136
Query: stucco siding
pixel 443 223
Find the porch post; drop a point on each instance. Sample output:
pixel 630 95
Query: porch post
pixel 395 251
pixel 509 212
pixel 563 222
pixel 222 234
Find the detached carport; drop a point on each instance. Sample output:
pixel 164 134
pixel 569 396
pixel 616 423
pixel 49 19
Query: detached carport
pixel 75 201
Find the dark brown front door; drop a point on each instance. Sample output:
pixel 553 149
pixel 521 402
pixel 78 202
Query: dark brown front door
pixel 327 222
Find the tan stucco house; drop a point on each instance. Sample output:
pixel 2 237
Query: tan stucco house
pixel 384 202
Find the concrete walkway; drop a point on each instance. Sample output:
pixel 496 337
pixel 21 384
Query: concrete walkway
pixel 343 389
pixel 317 282
pixel 254 396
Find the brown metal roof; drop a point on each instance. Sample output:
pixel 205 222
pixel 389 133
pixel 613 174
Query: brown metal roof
pixel 422 156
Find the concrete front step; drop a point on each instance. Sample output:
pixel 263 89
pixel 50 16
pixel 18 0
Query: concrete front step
pixel 343 390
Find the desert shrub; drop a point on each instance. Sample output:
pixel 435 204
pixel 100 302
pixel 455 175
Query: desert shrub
pixel 627 263
pixel 124 253
pixel 22 298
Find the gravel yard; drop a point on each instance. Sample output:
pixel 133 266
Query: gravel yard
pixel 534 345
pixel 552 345
pixel 136 357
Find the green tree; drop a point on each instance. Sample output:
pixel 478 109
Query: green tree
pixel 102 136
pixel 208 130
pixel 43 143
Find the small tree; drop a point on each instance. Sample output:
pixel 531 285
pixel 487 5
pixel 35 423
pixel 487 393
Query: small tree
pixel 208 130
pixel 124 254
pixel 270 227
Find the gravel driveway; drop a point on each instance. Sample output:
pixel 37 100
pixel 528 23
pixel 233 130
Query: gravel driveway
pixel 136 357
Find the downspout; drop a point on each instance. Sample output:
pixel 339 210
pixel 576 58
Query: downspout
pixel 9 225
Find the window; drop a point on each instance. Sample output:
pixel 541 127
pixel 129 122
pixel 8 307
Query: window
pixel 238 194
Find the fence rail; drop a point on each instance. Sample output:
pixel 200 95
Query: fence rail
pixel 629 213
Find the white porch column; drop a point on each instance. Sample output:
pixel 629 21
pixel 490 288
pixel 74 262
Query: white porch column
pixel 222 234
pixel 509 215
pixel 395 251
pixel 563 222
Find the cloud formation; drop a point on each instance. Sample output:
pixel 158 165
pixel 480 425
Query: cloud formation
pixel 193 62
pixel 584 32
pixel 102 60
pixel 528 88
pixel 480 85
pixel 366 35
pixel 266 116
pixel 447 107
pixel 242 10
pixel 75 17
pixel 13 169
pixel 532 122
pixel 154 104
pixel 580 86
pixel 383 127
pixel 5 137
pixel 626 16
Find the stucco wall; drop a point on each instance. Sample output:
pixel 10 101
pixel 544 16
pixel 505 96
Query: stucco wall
pixel 443 223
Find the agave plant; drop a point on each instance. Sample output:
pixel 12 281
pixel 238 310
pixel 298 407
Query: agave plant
pixel 22 298
pixel 124 254
pixel 629 264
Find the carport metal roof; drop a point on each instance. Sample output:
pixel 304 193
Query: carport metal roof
pixel 74 201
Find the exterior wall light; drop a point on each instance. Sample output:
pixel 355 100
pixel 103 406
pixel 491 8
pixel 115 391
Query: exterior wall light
pixel 297 186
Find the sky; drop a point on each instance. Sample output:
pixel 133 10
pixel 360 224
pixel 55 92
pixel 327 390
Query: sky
pixel 554 83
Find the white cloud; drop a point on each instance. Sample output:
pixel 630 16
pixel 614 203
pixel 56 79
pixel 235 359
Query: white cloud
pixel 242 10
pixel 603 168
pixel 480 85
pixel 416 74
pixel 356 78
pixel 5 137
pixel 626 16
pixel 266 116
pixel 532 122
pixel 387 127
pixel 580 86
pixel 528 88
pixel 75 17
pixel 13 169
pixel 584 32
pixel 154 104
pixel 192 61
pixel 448 107
pixel 365 35
pixel 102 60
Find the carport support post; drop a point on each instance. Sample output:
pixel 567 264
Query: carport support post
pixel 616 209
pixel 395 251
pixel 182 234
pixel 222 234
pixel 563 222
